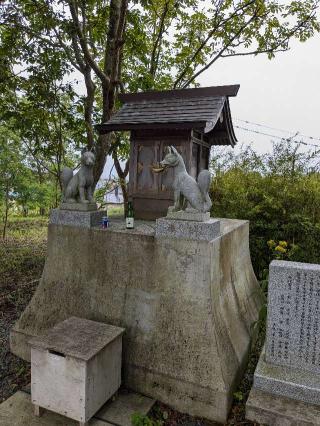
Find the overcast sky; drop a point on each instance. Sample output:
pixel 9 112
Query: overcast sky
pixel 282 93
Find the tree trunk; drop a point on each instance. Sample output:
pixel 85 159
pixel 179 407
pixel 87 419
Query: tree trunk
pixel 109 75
pixel 122 178
pixel 112 69
pixel 88 105
pixel 102 149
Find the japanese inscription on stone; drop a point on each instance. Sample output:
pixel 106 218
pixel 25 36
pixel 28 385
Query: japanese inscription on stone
pixel 293 315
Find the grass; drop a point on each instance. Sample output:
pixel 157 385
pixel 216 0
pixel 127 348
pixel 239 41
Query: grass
pixel 22 256
pixel 115 211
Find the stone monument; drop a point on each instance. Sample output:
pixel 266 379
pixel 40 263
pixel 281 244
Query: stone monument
pixel 290 363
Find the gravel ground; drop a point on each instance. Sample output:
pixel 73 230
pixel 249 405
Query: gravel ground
pixel 22 257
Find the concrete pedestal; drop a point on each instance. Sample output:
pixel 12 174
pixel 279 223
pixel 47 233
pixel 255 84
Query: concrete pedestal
pixel 274 410
pixel 81 207
pixel 188 215
pixel 198 231
pixel 298 384
pixel 187 306
pixel 77 218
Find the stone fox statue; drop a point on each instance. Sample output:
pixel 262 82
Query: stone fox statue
pixel 187 191
pixel 79 187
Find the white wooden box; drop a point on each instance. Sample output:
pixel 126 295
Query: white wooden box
pixel 76 367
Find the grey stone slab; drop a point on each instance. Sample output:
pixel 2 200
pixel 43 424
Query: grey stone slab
pixel 188 215
pixel 192 230
pixel 293 383
pixel 77 337
pixel 293 331
pixel 18 411
pixel 120 410
pixel 82 207
pixel 273 410
pixel 76 218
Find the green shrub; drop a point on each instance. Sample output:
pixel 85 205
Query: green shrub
pixel 138 419
pixel 279 194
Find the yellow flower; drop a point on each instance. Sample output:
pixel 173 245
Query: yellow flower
pixel 271 243
pixel 280 249
pixel 283 244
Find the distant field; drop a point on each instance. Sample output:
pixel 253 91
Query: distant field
pixel 115 211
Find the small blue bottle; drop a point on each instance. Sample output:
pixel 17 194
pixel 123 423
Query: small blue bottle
pixel 105 222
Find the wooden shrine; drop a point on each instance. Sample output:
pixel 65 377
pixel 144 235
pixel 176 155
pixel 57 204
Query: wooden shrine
pixel 193 120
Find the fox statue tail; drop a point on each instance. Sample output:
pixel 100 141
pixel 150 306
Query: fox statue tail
pixel 204 180
pixel 66 176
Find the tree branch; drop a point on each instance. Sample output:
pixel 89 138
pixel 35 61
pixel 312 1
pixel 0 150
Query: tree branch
pixel 254 52
pixel 77 52
pixel 254 16
pixel 276 48
pixel 84 46
pixel 66 50
pixel 88 106
pixel 209 36
pixel 158 39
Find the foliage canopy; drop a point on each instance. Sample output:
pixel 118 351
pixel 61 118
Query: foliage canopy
pixel 121 45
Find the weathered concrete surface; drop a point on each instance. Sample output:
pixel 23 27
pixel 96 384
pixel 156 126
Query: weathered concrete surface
pixel 171 228
pixel 119 411
pixel 18 411
pixel 274 410
pixel 187 307
pixel 82 219
pixel 189 215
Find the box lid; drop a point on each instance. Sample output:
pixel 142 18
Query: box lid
pixel 77 337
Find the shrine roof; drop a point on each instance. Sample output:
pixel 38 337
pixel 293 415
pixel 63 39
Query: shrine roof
pixel 204 109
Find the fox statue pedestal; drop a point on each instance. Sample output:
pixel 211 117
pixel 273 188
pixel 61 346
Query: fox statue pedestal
pixel 80 207
pixel 193 230
pixel 83 215
pixel 187 215
pixel 187 305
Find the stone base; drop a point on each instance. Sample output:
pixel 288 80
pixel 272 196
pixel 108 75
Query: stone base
pixel 18 411
pixel 83 219
pixel 274 410
pixel 80 207
pixel 289 382
pixel 190 215
pixel 172 228
pixel 187 306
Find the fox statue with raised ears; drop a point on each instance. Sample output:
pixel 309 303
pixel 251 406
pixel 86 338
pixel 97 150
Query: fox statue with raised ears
pixel 188 193
pixel 78 188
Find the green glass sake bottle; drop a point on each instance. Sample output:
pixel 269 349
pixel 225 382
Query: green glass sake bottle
pixel 130 216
